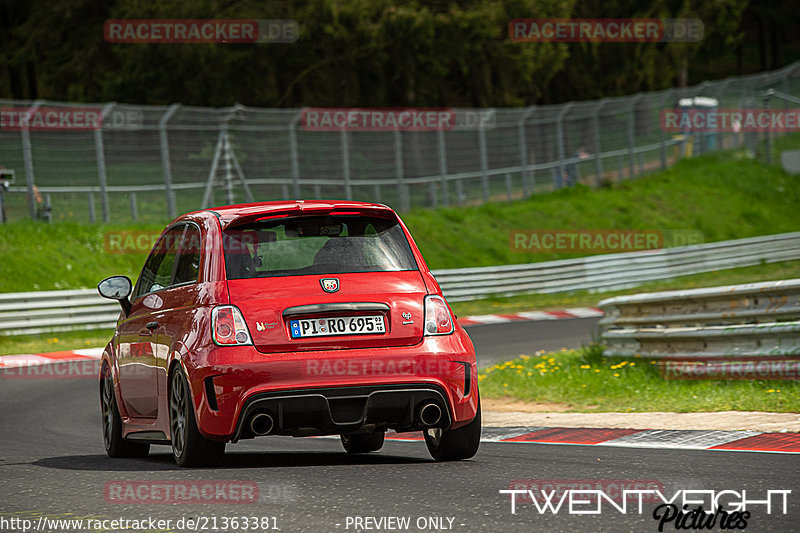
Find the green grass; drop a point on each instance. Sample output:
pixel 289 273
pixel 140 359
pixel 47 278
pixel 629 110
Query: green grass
pixel 68 255
pixel 531 302
pixel 584 380
pixel 724 195
pixel 54 342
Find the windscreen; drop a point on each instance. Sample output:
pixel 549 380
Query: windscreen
pixel 316 245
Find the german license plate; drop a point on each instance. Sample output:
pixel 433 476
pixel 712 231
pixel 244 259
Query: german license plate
pixel 337 325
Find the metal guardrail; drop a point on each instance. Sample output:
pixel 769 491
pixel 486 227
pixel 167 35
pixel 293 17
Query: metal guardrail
pixel 737 322
pixel 37 312
pixel 615 271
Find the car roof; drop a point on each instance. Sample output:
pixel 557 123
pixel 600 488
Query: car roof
pixel 230 214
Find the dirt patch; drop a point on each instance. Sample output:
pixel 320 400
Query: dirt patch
pixel 508 405
pixel 529 415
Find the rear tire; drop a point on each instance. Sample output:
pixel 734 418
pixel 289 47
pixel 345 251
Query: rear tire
pixel 363 443
pixel 189 447
pixel 455 444
pixel 115 445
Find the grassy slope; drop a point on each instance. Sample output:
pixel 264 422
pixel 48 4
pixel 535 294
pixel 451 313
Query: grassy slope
pixel 723 195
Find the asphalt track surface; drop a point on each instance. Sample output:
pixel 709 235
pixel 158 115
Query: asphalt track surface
pixel 500 342
pixel 52 464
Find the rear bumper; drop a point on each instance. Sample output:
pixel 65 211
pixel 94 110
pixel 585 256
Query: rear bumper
pixel 309 412
pixel 332 392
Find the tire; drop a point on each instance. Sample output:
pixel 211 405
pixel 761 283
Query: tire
pixel 363 443
pixel 189 447
pixel 115 445
pixel 455 444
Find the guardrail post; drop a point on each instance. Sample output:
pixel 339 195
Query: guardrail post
pixel 166 168
pixel 559 181
pixel 443 167
pixel 527 187
pixel 293 156
pixel 27 154
pixel 345 147
pixel 632 133
pixel 598 160
pixel 402 192
pixel 100 155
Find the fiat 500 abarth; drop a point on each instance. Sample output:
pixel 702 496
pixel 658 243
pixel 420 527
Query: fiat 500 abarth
pixel 298 318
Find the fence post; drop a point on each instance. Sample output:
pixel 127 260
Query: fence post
pixel 484 162
pixel 598 160
pixel 443 167
pixel 91 208
pixel 134 208
pixel 227 155
pixel 402 193
pixel 768 132
pixel 345 146
pixel 27 154
pixel 559 182
pixel 293 155
pixel 663 148
pixel 166 168
pixel 527 188
pixel 100 155
pixel 212 173
pixel 631 134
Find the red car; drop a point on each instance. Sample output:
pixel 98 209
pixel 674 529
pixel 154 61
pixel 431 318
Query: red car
pixel 286 318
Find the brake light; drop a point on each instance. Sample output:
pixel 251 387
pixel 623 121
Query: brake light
pixel 229 328
pixel 438 320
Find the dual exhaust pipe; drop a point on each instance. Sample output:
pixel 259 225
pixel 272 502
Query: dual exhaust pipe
pixel 262 423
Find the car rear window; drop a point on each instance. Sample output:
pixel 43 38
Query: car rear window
pixel 316 245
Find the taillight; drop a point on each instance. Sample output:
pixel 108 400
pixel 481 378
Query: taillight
pixel 438 320
pixel 229 327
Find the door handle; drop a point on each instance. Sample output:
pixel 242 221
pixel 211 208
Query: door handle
pixel 152 325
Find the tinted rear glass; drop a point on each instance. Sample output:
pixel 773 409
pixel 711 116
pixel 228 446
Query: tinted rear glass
pixel 316 245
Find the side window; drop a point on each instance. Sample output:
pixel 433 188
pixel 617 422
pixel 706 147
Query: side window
pixel 157 272
pixel 189 259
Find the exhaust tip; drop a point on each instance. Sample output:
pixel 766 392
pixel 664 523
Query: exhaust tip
pixel 261 423
pixel 430 414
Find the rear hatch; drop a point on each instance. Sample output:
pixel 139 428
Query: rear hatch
pixel 325 282
pixel 280 311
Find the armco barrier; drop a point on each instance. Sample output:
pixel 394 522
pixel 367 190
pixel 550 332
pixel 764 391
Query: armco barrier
pixel 739 322
pixel 615 271
pixel 36 312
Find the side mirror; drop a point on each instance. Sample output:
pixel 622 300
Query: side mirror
pixel 117 288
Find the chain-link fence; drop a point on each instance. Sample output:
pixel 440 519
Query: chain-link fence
pixel 148 163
